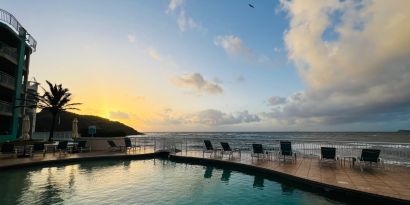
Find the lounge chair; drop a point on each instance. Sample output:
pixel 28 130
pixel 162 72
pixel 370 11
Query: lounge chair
pixel 226 149
pixel 62 147
pixel 257 151
pixel 286 150
pixel 82 146
pixel 328 154
pixel 370 157
pixel 7 150
pixel 39 147
pixel 208 148
pixel 24 150
pixel 129 145
pixel 114 147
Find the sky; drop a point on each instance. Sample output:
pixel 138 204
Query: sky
pixel 220 65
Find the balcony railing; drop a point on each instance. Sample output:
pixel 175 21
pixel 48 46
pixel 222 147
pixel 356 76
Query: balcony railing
pixel 7 81
pixel 392 153
pixel 9 19
pixel 8 52
pixel 6 108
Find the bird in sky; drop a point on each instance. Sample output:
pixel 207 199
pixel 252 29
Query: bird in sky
pixel 250 5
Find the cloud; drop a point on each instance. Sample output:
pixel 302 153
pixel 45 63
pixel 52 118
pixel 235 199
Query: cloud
pixel 212 117
pixel 234 46
pixel 184 21
pixel 131 38
pixel 209 118
pixel 153 53
pixel 361 74
pixel 197 82
pixel 174 4
pixel 119 115
pixel 276 100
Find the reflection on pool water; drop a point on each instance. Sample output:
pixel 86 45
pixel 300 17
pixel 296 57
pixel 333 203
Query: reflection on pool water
pixel 145 182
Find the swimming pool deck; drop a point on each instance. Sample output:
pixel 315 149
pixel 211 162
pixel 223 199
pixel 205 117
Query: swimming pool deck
pixel 393 181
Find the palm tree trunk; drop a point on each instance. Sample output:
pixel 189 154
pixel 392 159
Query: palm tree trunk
pixel 53 124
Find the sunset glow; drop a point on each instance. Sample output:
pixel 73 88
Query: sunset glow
pixel 224 66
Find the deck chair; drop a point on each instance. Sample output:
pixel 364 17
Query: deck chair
pixel 257 151
pixel 114 147
pixel 208 148
pixel 129 145
pixel 62 147
pixel 226 149
pixel 370 157
pixel 82 146
pixel 286 150
pixel 7 150
pixel 39 147
pixel 328 154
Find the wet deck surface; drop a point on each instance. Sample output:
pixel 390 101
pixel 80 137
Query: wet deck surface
pixel 391 181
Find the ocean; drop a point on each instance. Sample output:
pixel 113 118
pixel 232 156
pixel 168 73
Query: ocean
pixel 394 146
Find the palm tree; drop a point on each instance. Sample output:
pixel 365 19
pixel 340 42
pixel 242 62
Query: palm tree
pixel 55 100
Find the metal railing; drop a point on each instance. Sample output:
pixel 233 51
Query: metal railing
pixel 9 19
pixel 8 52
pixel 57 136
pixel 391 153
pixel 7 80
pixel 6 108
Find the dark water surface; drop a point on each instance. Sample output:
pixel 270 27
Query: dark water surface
pixel 145 182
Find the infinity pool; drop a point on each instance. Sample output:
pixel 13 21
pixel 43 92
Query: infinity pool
pixel 145 182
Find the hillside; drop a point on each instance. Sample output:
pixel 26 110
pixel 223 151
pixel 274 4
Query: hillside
pixel 105 127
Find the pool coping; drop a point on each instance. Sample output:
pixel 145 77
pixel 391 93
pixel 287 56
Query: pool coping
pixel 355 196
pixel 161 154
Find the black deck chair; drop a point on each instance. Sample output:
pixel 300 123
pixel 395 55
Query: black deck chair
pixel 208 148
pixel 226 149
pixel 328 154
pixel 7 149
pixel 39 147
pixel 113 146
pixel 82 146
pixel 370 156
pixel 62 147
pixel 257 151
pixel 286 150
pixel 128 144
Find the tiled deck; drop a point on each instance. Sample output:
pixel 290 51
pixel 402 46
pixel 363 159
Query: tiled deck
pixel 392 181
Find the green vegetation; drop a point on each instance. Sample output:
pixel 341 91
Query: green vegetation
pixel 105 127
pixel 54 100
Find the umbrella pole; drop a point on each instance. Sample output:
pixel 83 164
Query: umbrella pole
pixel 24 148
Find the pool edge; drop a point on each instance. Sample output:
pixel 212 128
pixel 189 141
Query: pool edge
pixel 356 196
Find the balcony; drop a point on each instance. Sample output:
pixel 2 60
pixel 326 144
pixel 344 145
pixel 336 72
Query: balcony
pixel 12 22
pixel 8 52
pixel 6 108
pixel 7 81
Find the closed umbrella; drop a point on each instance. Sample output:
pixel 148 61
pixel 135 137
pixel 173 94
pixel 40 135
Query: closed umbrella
pixel 24 133
pixel 25 128
pixel 75 129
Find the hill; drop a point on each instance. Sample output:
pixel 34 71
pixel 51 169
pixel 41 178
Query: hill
pixel 105 127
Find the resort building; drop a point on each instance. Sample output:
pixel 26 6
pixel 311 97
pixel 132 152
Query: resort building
pixel 16 46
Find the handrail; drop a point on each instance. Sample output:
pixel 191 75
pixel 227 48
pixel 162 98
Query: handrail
pixel 7 80
pixel 8 18
pixel 5 107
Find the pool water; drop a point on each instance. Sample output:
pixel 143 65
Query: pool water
pixel 145 182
